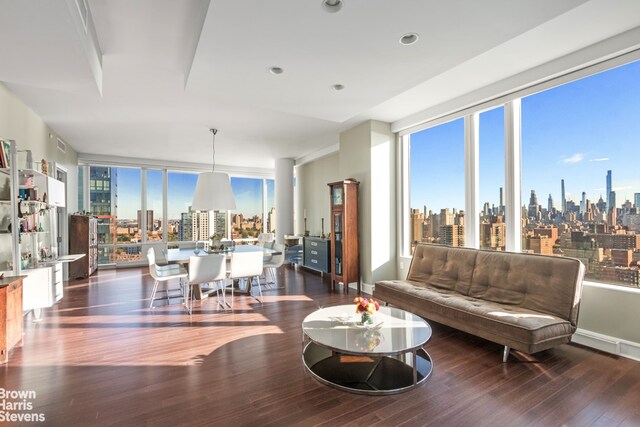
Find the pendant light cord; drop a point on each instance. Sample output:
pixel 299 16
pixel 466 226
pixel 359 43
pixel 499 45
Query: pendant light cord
pixel 213 160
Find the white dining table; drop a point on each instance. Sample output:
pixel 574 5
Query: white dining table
pixel 182 255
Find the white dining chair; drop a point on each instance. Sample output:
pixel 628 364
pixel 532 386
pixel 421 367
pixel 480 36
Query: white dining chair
pixel 159 258
pixel 265 238
pixel 210 269
pixel 273 263
pixel 246 265
pixel 160 274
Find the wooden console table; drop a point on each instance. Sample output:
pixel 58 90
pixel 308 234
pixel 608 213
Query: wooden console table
pixel 10 315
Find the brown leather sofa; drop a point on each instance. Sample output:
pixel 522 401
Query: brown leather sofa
pixel 522 301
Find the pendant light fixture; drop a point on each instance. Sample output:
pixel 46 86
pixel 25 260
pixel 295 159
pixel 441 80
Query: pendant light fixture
pixel 213 189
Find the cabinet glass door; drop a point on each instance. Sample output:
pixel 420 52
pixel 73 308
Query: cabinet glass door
pixel 337 231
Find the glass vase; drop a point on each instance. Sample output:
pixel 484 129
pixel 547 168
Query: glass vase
pixel 366 318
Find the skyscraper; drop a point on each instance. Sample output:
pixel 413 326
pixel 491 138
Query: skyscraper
pixel 583 203
pixel 533 205
pixel 608 195
pixel 636 200
pixel 149 219
pixel 612 201
pixel 562 196
pixel 550 202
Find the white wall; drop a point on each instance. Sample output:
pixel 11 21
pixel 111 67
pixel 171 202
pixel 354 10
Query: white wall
pixel 367 153
pixel 20 123
pixel 313 193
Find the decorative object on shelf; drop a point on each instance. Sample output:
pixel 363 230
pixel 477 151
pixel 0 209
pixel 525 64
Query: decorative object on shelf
pixel 345 263
pixel 366 308
pixel 213 189
pixel 323 236
pixel 44 167
pixel 306 232
pixel 6 153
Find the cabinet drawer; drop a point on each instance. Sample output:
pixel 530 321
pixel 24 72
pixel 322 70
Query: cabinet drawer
pixel 317 251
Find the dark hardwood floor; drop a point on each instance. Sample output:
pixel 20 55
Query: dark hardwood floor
pixel 101 357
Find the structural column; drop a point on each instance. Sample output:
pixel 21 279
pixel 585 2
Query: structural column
pixel 284 198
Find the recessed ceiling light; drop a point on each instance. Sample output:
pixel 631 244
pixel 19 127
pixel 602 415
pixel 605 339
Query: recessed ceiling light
pixel 409 38
pixel 331 6
pixel 337 87
pixel 276 70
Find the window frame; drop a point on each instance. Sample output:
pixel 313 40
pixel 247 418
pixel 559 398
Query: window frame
pixel 512 156
pixel 165 169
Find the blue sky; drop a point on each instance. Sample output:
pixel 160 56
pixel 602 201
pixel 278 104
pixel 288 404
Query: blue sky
pixel 574 132
pixel 247 192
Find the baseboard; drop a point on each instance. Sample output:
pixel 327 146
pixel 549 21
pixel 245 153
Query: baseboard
pixel 613 345
pixel 366 288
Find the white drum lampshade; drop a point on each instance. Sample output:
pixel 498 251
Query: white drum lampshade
pixel 213 192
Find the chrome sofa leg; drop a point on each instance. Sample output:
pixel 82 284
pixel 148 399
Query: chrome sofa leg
pixel 505 354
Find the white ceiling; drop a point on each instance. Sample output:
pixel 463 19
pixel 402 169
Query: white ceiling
pixel 172 69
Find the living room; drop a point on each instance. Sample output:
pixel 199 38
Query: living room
pixel 99 88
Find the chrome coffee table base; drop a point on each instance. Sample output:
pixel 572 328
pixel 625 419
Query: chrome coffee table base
pixel 366 374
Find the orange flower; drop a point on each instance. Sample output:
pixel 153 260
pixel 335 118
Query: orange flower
pixel 366 305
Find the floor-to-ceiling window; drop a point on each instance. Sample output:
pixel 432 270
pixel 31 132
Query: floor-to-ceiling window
pixel 270 226
pixel 130 206
pixel 181 186
pixel 102 206
pixel 491 176
pixel 154 219
pixel 576 166
pixel 580 173
pixel 247 219
pixel 436 185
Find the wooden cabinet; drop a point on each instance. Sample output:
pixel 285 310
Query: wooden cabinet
pixel 345 254
pixel 10 315
pixel 316 253
pixel 83 239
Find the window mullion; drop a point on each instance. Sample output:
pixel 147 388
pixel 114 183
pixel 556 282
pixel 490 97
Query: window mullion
pixel 513 191
pixel 472 190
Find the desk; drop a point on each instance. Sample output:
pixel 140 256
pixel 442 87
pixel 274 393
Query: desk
pixel 182 255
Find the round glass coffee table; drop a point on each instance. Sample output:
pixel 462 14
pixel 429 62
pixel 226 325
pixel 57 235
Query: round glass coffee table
pixel 385 358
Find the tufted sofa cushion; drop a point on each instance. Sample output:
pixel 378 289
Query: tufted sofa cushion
pixel 443 268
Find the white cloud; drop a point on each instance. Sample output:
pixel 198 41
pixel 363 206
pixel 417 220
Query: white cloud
pixel 601 159
pixel 576 158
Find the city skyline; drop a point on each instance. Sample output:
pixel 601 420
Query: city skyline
pixel 576 132
pixel 181 185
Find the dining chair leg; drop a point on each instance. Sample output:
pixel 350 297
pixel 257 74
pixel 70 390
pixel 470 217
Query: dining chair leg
pixel 220 289
pixel 185 290
pixel 274 273
pixel 259 289
pixel 153 293
pixel 231 306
